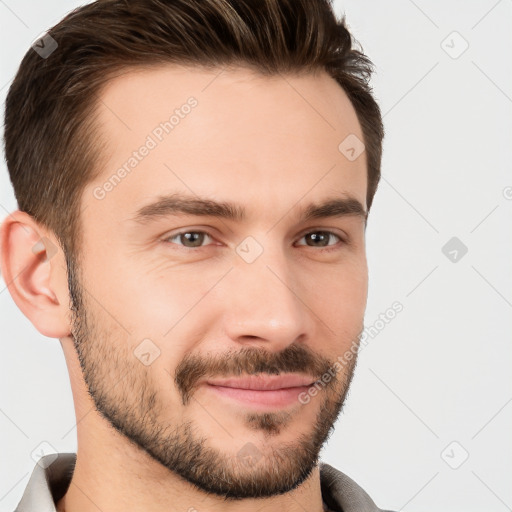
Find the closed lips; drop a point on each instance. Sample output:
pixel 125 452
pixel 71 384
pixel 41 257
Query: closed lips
pixel 264 383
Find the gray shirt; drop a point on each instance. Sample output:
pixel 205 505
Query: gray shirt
pixel 51 477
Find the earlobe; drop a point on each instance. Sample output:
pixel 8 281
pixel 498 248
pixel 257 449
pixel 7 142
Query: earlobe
pixel 34 270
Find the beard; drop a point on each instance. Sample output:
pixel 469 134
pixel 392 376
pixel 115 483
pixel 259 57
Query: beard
pixel 126 395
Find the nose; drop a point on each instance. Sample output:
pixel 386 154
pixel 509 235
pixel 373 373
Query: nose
pixel 267 307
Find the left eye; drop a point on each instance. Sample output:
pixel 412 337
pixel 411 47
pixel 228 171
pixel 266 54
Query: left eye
pixel 195 239
pixel 322 237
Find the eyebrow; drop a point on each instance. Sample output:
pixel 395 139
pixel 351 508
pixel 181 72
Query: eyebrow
pixel 176 204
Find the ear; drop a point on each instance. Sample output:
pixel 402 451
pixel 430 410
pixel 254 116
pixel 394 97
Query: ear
pixel 34 269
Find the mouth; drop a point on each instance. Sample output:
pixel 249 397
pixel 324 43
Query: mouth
pixel 262 392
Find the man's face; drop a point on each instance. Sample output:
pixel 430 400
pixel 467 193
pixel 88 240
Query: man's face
pixel 175 299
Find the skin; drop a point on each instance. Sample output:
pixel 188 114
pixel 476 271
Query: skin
pixel 209 311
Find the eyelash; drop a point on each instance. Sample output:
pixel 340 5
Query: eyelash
pixel 323 249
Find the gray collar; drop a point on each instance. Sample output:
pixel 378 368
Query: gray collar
pixel 52 474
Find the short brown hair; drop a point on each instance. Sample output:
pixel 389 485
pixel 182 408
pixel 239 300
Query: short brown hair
pixel 51 139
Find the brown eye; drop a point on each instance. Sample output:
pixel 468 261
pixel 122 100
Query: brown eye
pixel 189 239
pixel 320 239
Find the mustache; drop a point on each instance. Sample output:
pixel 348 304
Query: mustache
pixel 248 361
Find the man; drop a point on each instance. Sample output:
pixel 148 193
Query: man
pixel 193 181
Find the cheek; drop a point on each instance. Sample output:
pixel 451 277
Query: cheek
pixel 338 287
pixel 146 303
pixel 172 311
pixel 340 298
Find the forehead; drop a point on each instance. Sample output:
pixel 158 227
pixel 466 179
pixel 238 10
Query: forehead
pixel 224 133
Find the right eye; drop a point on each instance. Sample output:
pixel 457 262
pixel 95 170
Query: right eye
pixel 194 238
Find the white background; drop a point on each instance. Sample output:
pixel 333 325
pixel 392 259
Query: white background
pixel 440 371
